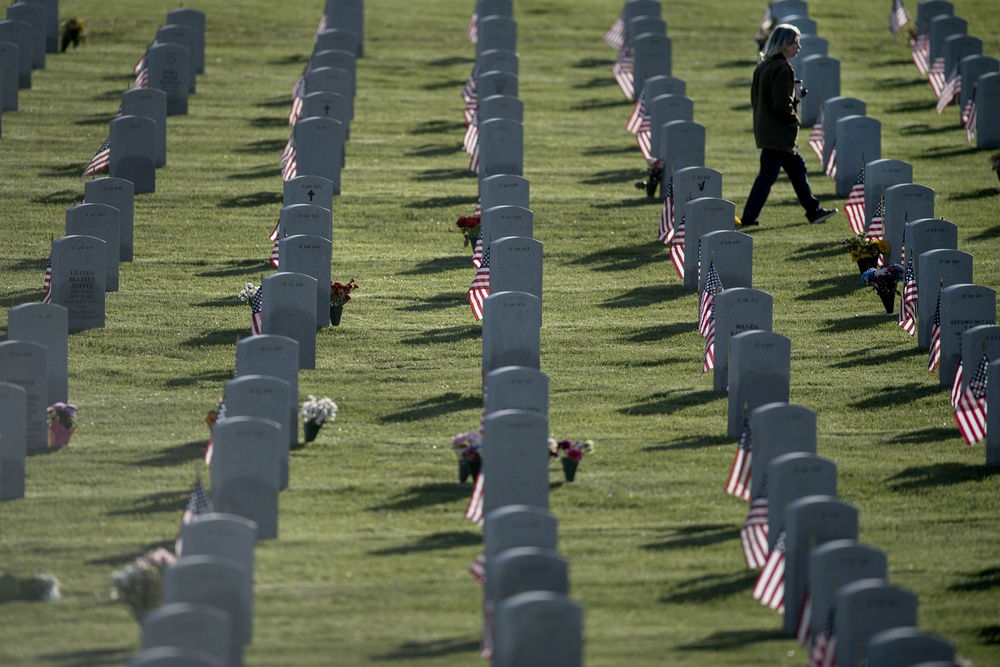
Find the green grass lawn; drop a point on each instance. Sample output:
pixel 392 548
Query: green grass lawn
pixel 370 566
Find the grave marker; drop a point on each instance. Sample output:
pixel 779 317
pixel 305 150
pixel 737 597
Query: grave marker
pixel 865 608
pixel 118 194
pixel 993 416
pixel 266 397
pixel 332 80
pixel 516 388
pixel 246 471
pixel 904 202
pixel 77 283
pixel 133 152
pixel 504 190
pixel 939 29
pixel 733 255
pixel 498 60
pixel 516 265
pixel 150 103
pixel 51 24
pixel 501 221
pixel 737 309
pixel 858 140
pixel 662 84
pixel 513 526
pixel 926 234
pixel 957 47
pixel 337 59
pixel 274 356
pixel 9 73
pixel 512 324
pixel 169 656
pixel 337 38
pixel 701 216
pixel 652 57
pixel 665 109
pixel 347 15
pixel 928 9
pixel 983 338
pixel 194 19
pixel 314 190
pixel 102 222
pixel 791 476
pixel 23 364
pixel 634 8
pixel 693 183
pixel 496 32
pixel 938 269
pixel 320 148
pixel 810 45
pixel 518 468
pixel 905 647
pixel 188 626
pixel 169 71
pixel 782 9
pixel 683 143
pixel 988 105
pixel 501 106
pixel 19 34
pixel 834 564
pixel 834 109
pixel 290 310
pixel 326 104
pixel 308 219
pixel 190 39
pixel 311 256
pixel 538 629
pixel 521 570
pixel 48 325
pixel 806 25
pixel 759 373
pixel 970 68
pixel 33 15
pixel 821 77
pixel 963 306
pixel 13 439
pixel 879 176
pixel 779 429
pixel 645 25
pixel 501 147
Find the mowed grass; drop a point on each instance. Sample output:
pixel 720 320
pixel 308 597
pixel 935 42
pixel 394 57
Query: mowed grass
pixel 370 566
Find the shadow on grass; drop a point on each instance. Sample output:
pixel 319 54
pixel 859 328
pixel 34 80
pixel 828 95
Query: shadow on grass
pixel 443 174
pixel 425 495
pixel 989 634
pixel 60 171
pixel 154 503
pixel 269 121
pixel 178 454
pixel 61 198
pixel 192 380
pixel 942 152
pixel 444 85
pixel 591 105
pixel 129 556
pixel 646 296
pixel 442 301
pixel 923 129
pixel 251 200
pixel 855 323
pixel 289 60
pixel 11 299
pixel 437 127
pixel 596 82
pixel 816 251
pixel 434 407
pixel 741 107
pixel 616 176
pixel 433 150
pixel 440 265
pixel 691 442
pixel 924 435
pixel 913 105
pixel 450 61
pixel 666 403
pixel 96 119
pixel 875 357
pixel 981 193
pixel 701 535
pixel 983 580
pixel 723 640
pixel 632 202
pixel 239 268
pixel 446 334
pixel 444 202
pixel 620 258
pixel 263 171
pixel 897 396
pixel 280 102
pixel 900 82
pixel 821 289
pixel 264 146
pixel 940 475
pixel 213 338
pixel 612 150
pixel 97 656
pixel 660 332
pixel 712 587
pixel 434 648
pixel 588 63
pixel 435 542
pixel 744 62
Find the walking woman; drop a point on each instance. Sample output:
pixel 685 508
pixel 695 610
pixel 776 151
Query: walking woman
pixel 776 127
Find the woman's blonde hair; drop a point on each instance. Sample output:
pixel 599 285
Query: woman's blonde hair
pixel 780 37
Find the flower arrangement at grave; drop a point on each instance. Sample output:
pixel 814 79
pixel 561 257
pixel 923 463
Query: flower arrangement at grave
pixel 995 163
pixel 468 448
pixel 340 294
pixel 865 251
pixel 654 174
pixel 62 423
pixel 247 293
pixel 569 453
pixel 139 585
pixel 316 412
pixel 74 31
pixel 41 587
pixel 884 281
pixel 469 226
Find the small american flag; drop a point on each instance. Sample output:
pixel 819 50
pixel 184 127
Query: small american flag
pixel 298 99
pixel 802 631
pixel 708 363
pixel 956 386
pixel 921 53
pixel 220 416
pixel 753 534
pixel 898 17
pixel 970 413
pixel 854 207
pixel 477 250
pixel 713 285
pixel 473 31
pixel 623 72
pixel 770 586
pixel 480 287
pixel 289 152
pixel 478 569
pixel 970 116
pixel 950 91
pixel 738 483
pixel 831 163
pixel 256 311
pixel 47 280
pixel 934 354
pixel 275 254
pixel 666 233
pixel 638 115
pixel 474 160
pixel 908 304
pixel 469 92
pixel 141 70
pixel 936 76
pixel 876 228
pixel 677 248
pixel 474 510
pixel 824 650
pixel 615 36
pixel 198 503
pixel 817 137
pixel 291 168
pixel 100 161
pixel 471 138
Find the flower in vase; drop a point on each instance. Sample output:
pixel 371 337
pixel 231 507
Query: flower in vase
pixel 341 294
pixel 247 293
pixel 861 246
pixel 318 410
pixel 139 585
pixel 470 228
pixel 467 445
pixel 62 413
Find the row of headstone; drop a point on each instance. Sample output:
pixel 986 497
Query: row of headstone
pixel 948 51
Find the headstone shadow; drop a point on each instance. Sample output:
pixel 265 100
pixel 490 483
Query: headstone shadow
pixel 589 63
pixel 218 337
pixel 434 150
pixel 981 193
pixel 595 104
pixel 896 396
pixel 269 121
pixel 442 301
pixel 251 200
pixel 912 105
pixel 917 478
pixel 440 265
pixel 699 535
pixel 434 407
pixel 278 102
pixel 815 251
pixel 941 152
pixel 243 267
pixel 264 146
pixel 450 84
pixel 596 82
pixel 88 658
pixel 56 171
pixel 923 129
pixel 424 495
pixel 433 648
pixel 176 455
pixel 443 202
pixel 822 289
pixel 442 174
pixel 856 322
pixel 16 298
pixel 645 296
pixel 154 503
pixel 117 560
pixel 876 356
pixel 923 436
pixel 97 119
pixel 631 202
pixel 434 542
pixel 989 634
pixel 691 442
pixel 723 640
pixel 617 149
pixel 712 587
pixel 445 335
pixel 61 198
pixel 615 176
pixel 741 63
pixel 437 126
pixel 660 332
pixel 983 580
pixel 669 402
pixel 901 82
pixel 261 172
pixel 450 61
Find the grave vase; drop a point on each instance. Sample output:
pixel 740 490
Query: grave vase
pixel 335 313
pixel 865 263
pixel 569 468
pixel 59 435
pixel 888 296
pixel 311 430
